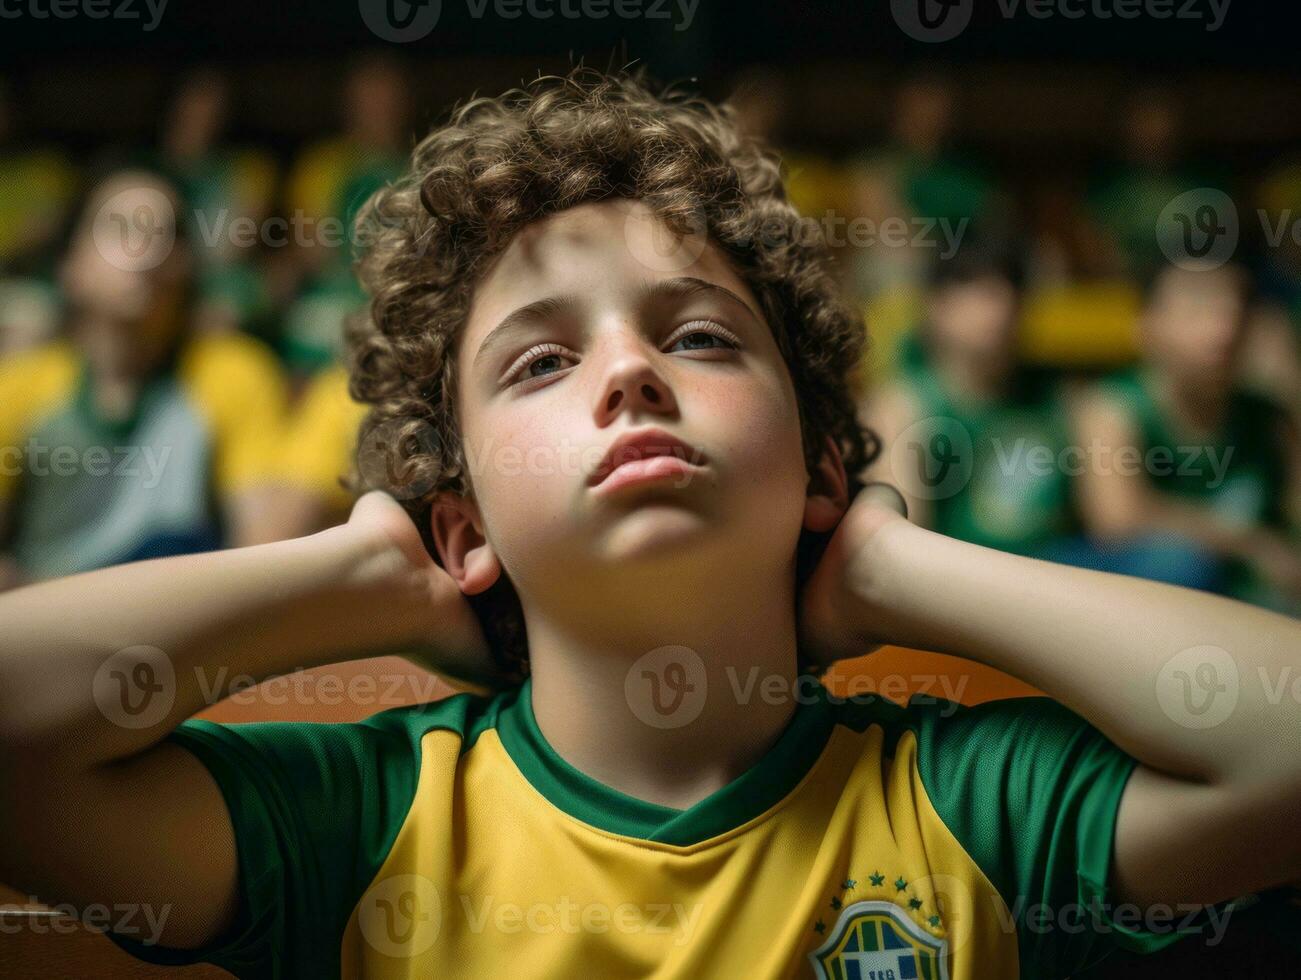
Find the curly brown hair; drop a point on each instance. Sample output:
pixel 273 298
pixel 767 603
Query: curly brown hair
pixel 501 163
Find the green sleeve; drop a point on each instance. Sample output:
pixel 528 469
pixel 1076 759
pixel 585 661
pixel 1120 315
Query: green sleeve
pixel 1031 792
pixel 315 809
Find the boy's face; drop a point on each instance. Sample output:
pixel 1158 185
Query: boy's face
pixel 594 324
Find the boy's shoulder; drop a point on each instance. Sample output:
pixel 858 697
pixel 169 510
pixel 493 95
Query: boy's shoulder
pixel 1003 755
pixel 942 720
pixel 465 715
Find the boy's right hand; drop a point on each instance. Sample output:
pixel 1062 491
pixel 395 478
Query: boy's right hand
pixel 451 643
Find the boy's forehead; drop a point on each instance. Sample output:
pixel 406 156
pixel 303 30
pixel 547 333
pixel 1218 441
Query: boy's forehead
pixel 604 248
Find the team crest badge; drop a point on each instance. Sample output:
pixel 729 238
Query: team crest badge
pixel 877 941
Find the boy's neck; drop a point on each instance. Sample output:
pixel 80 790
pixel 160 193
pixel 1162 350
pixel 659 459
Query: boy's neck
pixel 676 726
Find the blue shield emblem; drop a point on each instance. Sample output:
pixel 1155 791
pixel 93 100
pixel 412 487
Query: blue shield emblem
pixel 878 941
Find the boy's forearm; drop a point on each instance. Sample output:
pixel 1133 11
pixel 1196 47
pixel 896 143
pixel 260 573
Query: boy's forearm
pixel 69 647
pixel 1105 645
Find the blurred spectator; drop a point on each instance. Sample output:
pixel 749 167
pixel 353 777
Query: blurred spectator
pixel 133 437
pixel 919 174
pixel 328 185
pixel 1272 360
pixel 972 436
pixel 224 188
pixel 36 187
pixel 318 451
pixel 1197 479
pixel 1127 198
pixel 922 198
pixel 29 312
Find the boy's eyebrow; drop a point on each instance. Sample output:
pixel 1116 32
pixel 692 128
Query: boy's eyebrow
pixel 683 286
pixel 530 313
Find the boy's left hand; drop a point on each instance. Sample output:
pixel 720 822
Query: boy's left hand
pixel 835 623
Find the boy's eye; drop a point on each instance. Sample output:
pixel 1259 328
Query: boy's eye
pixel 706 335
pixel 695 338
pixel 544 356
pixel 546 359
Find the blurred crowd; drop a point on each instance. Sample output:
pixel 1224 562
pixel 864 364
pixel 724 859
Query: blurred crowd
pixel 1073 368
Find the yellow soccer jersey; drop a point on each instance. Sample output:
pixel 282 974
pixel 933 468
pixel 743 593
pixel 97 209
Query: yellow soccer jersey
pixel 871 842
pixel 322 439
pixel 85 491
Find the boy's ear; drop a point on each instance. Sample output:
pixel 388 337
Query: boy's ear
pixel 828 493
pixel 457 530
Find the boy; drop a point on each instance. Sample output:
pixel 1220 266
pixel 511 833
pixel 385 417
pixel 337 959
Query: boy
pixel 1207 502
pixel 666 793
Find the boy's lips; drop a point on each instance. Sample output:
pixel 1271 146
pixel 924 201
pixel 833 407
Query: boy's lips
pixel 642 444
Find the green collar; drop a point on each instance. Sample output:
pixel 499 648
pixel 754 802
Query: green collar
pixel 753 792
pixel 115 428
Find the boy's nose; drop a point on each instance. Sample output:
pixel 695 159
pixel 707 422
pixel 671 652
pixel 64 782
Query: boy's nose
pixel 632 383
